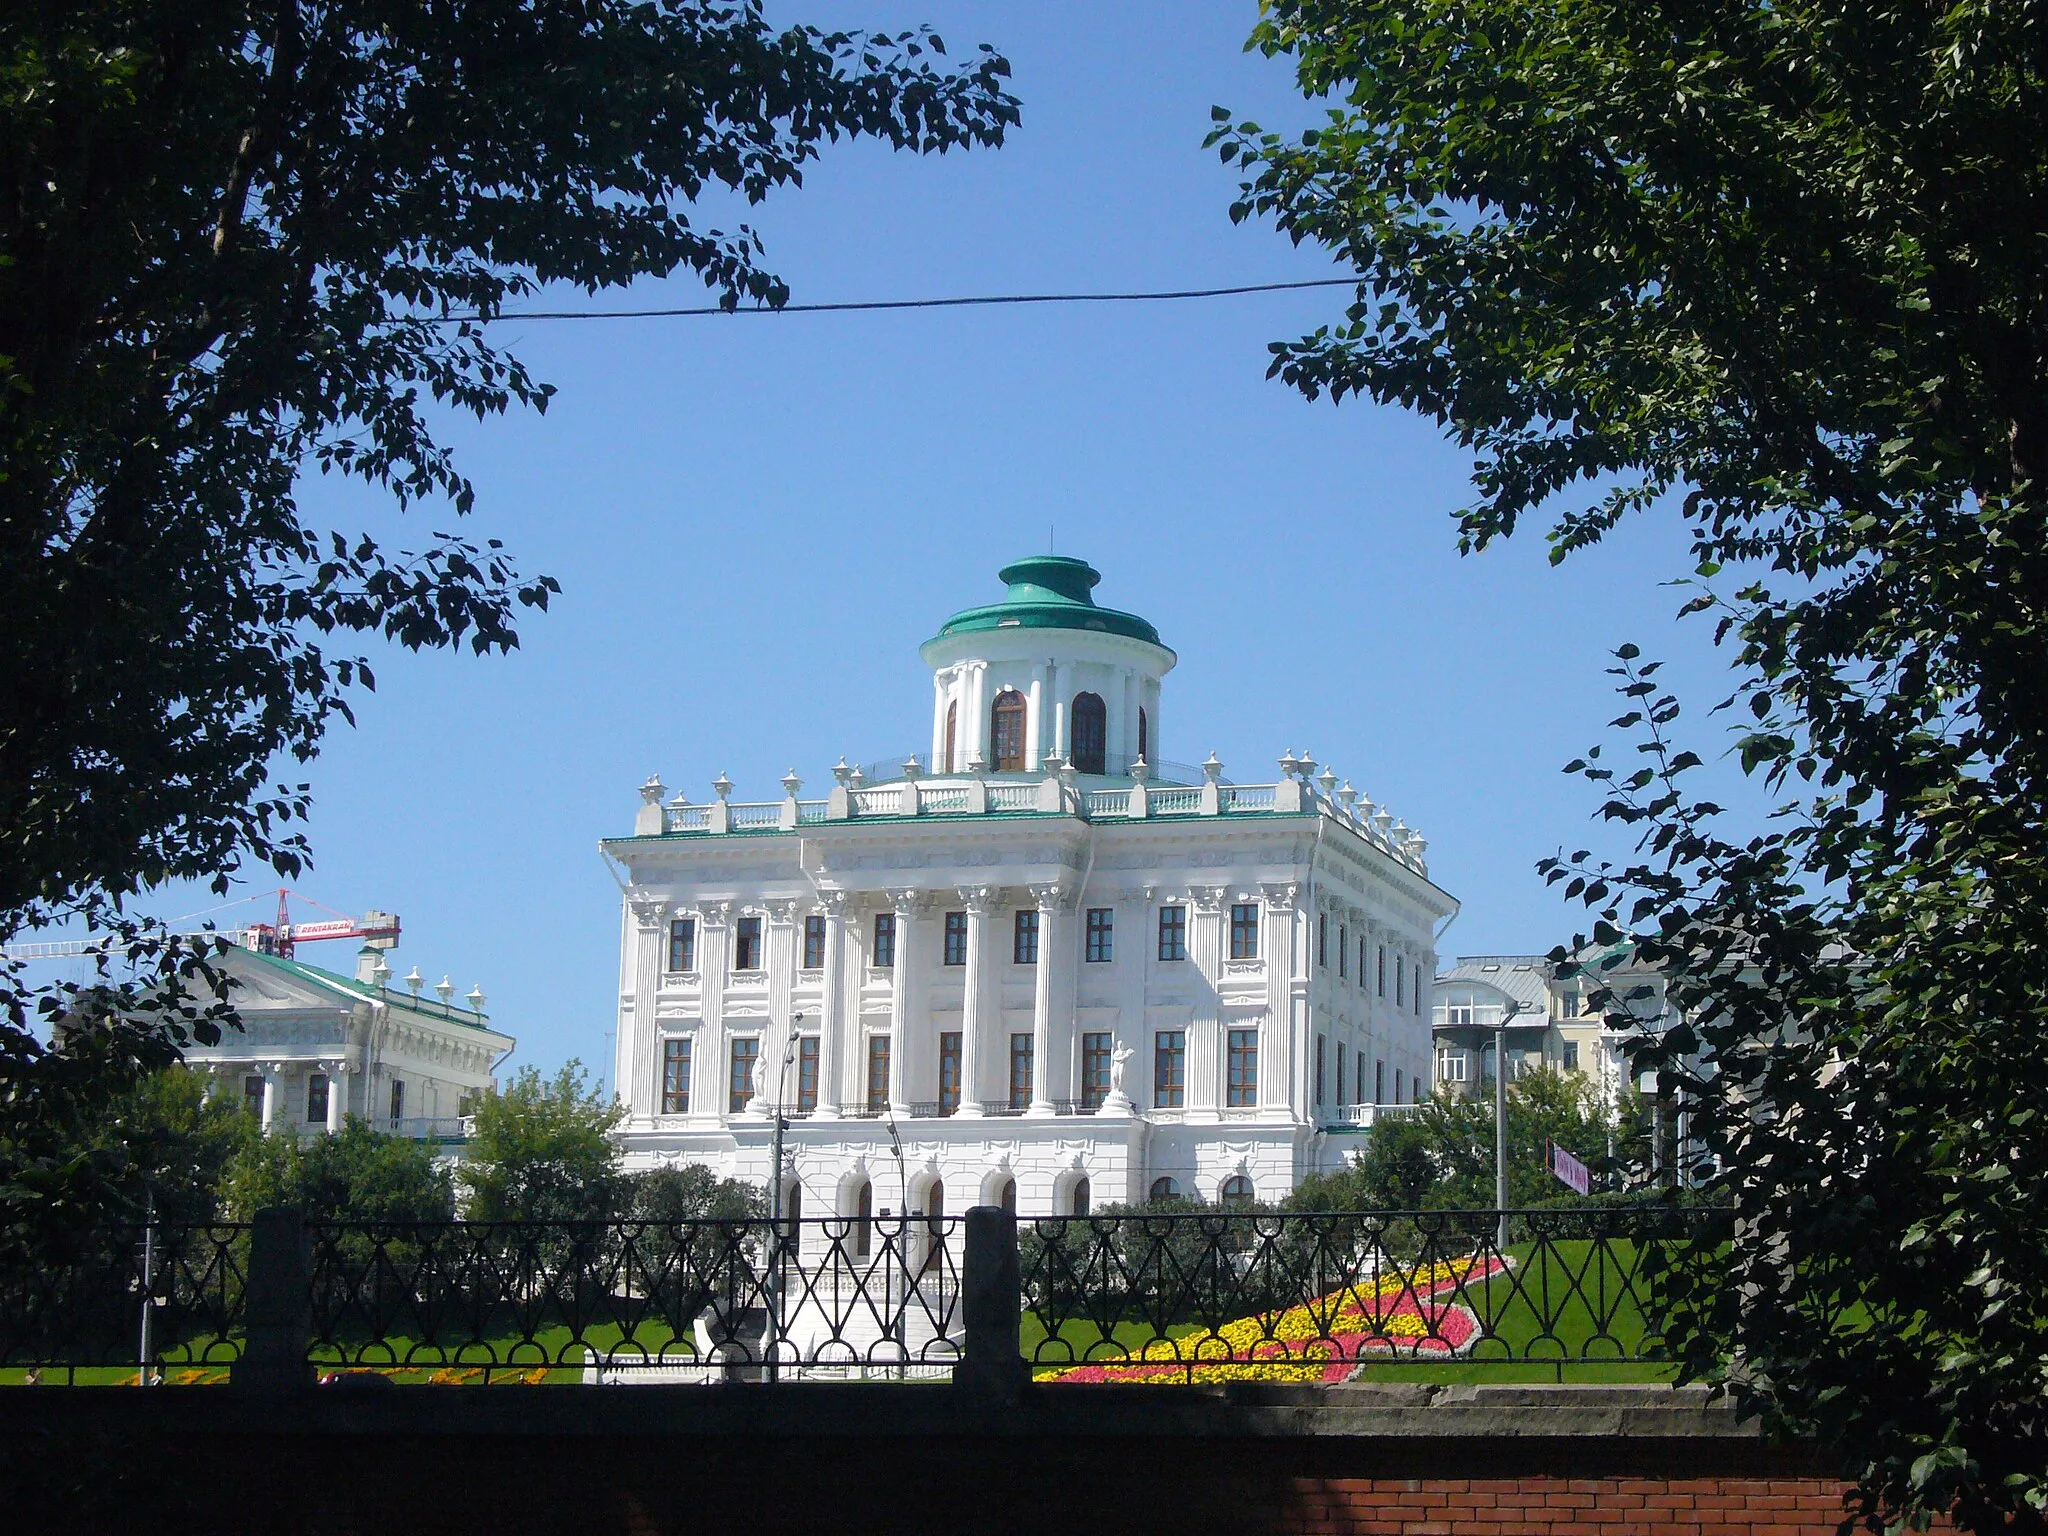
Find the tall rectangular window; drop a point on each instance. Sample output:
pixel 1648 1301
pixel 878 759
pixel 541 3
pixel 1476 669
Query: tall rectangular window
pixel 1343 950
pixel 739 1083
pixel 682 944
pixel 1358 1097
pixel 675 1077
pixel 814 941
pixel 746 944
pixel 878 1072
pixel 1024 937
pixel 1095 1058
pixel 1361 962
pixel 316 1098
pixel 1340 1071
pixel 1319 1070
pixel 1020 1071
pixel 1397 1085
pixel 1169 1068
pixel 1379 1082
pixel 956 938
pixel 252 1094
pixel 1383 970
pixel 1400 981
pixel 1322 940
pixel 1101 934
pixel 949 1071
pixel 1241 1091
pixel 806 1074
pixel 397 1098
pixel 884 947
pixel 1244 931
pixel 1571 1055
pixel 1173 933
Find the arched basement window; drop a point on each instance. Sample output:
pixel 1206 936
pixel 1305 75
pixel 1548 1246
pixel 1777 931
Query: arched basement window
pixel 1006 731
pixel 863 1219
pixel 952 737
pixel 1237 1190
pixel 1091 733
pixel 1081 1196
pixel 1008 1199
pixel 1163 1188
pixel 1144 736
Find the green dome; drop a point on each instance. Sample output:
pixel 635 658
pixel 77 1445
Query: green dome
pixel 1049 592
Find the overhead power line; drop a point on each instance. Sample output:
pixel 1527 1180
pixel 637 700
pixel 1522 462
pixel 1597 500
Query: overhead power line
pixel 978 301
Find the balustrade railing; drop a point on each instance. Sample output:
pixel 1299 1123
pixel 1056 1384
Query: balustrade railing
pixel 943 799
pixel 747 818
pixel 1175 802
pixel 1247 797
pixel 1012 797
pixel 889 800
pixel 1194 1296
pixel 1106 802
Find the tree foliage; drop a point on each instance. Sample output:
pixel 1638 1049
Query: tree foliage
pixel 239 238
pixel 1777 265
pixel 542 1150
pixel 356 1174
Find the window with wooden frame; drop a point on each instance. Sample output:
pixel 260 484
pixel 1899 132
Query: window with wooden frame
pixel 682 944
pixel 1006 719
pixel 675 1076
pixel 814 941
pixel 1024 937
pixel 1088 724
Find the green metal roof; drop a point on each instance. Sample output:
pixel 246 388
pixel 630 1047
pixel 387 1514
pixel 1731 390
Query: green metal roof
pixel 353 988
pixel 1049 592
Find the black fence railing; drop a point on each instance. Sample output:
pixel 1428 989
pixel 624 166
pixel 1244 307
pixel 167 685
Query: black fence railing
pixel 1196 1297
pixel 1325 1297
pixel 162 1302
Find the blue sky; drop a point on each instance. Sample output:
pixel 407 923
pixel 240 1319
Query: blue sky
pixel 757 520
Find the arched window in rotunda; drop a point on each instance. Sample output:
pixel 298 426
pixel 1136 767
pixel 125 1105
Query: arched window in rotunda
pixel 1144 737
pixel 1091 733
pixel 1006 731
pixel 952 762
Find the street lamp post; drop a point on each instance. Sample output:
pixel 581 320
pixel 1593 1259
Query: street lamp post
pixel 1500 1121
pixel 902 1245
pixel 772 1337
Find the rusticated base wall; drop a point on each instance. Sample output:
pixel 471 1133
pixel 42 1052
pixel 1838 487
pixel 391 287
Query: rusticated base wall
pixel 901 1460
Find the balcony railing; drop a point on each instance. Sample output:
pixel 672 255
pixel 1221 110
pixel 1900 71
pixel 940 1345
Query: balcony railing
pixel 1187 1297
pixel 1169 790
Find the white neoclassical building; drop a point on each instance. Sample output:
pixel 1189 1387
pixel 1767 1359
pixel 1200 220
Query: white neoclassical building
pixel 316 1047
pixel 1044 963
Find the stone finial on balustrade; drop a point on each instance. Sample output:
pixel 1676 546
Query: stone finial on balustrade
pixel 647 820
pixel 1418 845
pixel 1347 797
pixel 840 772
pixel 1306 767
pixel 1139 804
pixel 1212 786
pixel 1289 764
pixel 718 816
pixel 1328 779
pixel 912 768
pixel 839 805
pixel 1051 797
pixel 1382 819
pixel 790 813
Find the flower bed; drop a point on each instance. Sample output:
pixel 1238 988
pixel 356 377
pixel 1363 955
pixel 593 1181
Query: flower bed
pixel 1403 1313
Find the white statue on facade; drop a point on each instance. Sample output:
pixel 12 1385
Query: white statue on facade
pixel 1116 1101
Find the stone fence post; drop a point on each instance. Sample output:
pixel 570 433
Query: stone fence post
pixel 991 1307
pixel 277 1304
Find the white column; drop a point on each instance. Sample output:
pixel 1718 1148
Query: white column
pixel 1034 718
pixel 1129 750
pixel 904 904
pixel 711 1066
pixel 938 722
pixel 833 1025
pixel 650 917
pixel 1052 901
pixel 269 1071
pixel 337 1095
pixel 1276 1033
pixel 1053 718
pixel 979 900
pixel 781 938
pixel 974 729
pixel 1205 953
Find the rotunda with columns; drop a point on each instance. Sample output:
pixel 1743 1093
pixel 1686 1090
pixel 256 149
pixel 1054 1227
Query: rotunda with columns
pixel 1039 964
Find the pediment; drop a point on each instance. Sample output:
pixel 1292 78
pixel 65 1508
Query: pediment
pixel 260 987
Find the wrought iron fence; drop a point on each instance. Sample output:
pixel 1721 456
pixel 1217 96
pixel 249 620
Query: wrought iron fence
pixel 157 1302
pixel 626 1301
pixel 1190 1297
pixel 1325 1297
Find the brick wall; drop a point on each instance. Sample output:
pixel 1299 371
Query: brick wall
pixel 1555 1506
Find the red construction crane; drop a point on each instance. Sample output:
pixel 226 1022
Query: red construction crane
pixel 377 929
